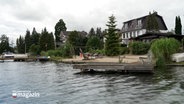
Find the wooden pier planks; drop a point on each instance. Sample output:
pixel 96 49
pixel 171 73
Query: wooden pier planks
pixel 116 67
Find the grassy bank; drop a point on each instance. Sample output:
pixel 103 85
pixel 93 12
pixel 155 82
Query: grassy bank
pixel 57 59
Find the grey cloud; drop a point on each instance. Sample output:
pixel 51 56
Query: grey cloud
pixel 24 10
pixel 9 2
pixel 31 14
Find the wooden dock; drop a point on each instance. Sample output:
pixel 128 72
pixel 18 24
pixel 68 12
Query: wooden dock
pixel 132 68
pixel 25 59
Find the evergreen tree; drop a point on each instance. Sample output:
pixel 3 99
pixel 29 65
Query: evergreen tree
pixel 35 37
pixel 91 32
pixel 99 33
pixel 112 43
pixel 50 41
pixel 178 26
pixel 43 40
pixel 20 45
pixel 151 22
pixel 46 41
pixel 28 42
pixel 60 26
pixel 4 44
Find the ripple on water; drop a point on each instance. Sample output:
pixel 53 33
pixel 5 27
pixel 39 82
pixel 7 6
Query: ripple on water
pixel 58 84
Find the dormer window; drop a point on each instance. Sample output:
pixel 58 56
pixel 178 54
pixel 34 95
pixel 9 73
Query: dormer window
pixel 126 26
pixel 139 22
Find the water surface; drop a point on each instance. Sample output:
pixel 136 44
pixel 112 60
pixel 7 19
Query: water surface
pixel 58 83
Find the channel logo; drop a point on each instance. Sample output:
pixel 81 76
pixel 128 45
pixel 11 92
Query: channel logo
pixel 25 94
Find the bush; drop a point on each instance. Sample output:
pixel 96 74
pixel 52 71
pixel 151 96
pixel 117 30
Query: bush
pixel 165 48
pixel 67 50
pixel 64 51
pixel 43 53
pixel 34 49
pixel 139 48
pixel 102 52
pixel 124 50
pixel 123 45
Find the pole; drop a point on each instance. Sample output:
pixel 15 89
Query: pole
pixel 25 48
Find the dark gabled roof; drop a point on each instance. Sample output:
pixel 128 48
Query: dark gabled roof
pixel 161 23
pixel 67 33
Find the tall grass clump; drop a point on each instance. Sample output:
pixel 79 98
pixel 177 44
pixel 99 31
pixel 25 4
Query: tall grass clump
pixel 162 49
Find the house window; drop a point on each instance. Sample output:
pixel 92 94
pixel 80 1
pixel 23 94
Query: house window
pixel 138 33
pixel 139 23
pixel 126 26
pixel 134 33
pixel 130 34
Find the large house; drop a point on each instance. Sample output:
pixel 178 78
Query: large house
pixel 64 36
pixel 137 27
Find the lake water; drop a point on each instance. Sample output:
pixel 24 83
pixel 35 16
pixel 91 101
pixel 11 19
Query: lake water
pixel 58 83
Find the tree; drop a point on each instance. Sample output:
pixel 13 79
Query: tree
pixel 20 45
pixel 35 37
pixel 94 43
pixel 99 34
pixel 50 41
pixel 112 43
pixel 151 22
pixel 60 26
pixel 77 41
pixel 91 32
pixel 178 26
pixel 4 44
pixel 28 42
pixel 34 49
pixel 46 41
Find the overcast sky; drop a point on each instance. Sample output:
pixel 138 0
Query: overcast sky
pixel 16 16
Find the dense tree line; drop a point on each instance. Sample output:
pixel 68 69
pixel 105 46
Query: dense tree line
pixel 46 41
pixel 35 42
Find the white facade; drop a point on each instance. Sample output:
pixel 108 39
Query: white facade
pixel 132 34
